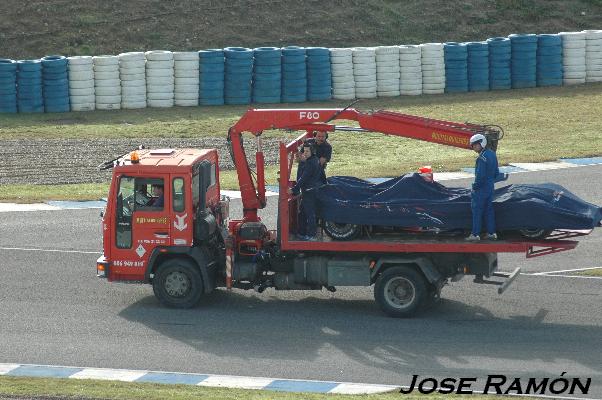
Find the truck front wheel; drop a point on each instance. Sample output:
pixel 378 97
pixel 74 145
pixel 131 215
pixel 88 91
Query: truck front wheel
pixel 400 291
pixel 178 283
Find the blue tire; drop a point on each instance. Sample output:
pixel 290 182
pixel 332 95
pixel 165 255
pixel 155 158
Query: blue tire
pixel 29 65
pixel 211 94
pixel 266 99
pixel 8 65
pixel 317 51
pixel 217 101
pixel 211 54
pixel 271 69
pixel 212 68
pixel 294 99
pixel 240 53
pixel 237 100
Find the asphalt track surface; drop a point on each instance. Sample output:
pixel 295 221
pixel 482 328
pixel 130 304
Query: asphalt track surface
pixel 55 311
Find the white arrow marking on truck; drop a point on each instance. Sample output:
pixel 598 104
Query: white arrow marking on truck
pixel 180 224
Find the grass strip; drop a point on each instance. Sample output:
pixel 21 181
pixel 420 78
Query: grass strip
pixel 590 272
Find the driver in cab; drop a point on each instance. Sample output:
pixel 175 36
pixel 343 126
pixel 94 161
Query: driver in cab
pixel 158 199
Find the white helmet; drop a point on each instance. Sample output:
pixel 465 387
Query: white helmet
pixel 478 138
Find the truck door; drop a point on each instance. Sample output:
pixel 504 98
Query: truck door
pixel 142 222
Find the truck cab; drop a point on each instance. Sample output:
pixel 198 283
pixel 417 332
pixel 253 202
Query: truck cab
pixel 162 205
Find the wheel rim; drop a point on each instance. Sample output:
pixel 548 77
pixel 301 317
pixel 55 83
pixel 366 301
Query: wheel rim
pixel 177 284
pixel 340 228
pixel 400 292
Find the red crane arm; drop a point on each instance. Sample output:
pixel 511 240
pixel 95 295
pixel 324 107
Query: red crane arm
pixel 255 121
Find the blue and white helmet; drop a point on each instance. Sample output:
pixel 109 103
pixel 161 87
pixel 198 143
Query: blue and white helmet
pixel 478 138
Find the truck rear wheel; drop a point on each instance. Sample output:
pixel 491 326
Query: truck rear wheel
pixel 400 291
pixel 178 283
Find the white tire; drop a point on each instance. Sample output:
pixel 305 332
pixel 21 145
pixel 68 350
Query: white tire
pixel 593 34
pixel 107 82
pixel 432 85
pixel 133 105
pixel 344 97
pixel 348 68
pixel 87 99
pixel 159 103
pixel 185 65
pixel 341 60
pixel 105 60
pixel 134 99
pixel 390 93
pixel 83 107
pixel 433 63
pixel 433 82
pixel 89 91
pixel 159 73
pixel 133 70
pixel 574 68
pixel 593 48
pixel 133 83
pixel 388 70
pixel 160 64
pixel 343 88
pixel 343 91
pixel 80 68
pixel 133 91
pixel 574 75
pixel 108 106
pixel 108 91
pixel 365 85
pixel 133 77
pixel 162 90
pixel 81 84
pixel 388 76
pixel 364 72
pixel 433 91
pixel 342 79
pixel 187 81
pixel 107 75
pixel 592 79
pixel 365 78
pixel 386 50
pixel 409 49
pixel 388 60
pixel 410 63
pixel 132 64
pixel 388 64
pixel 186 103
pixel 80 60
pixel 573 81
pixel 387 83
pixel 159 95
pixel 186 56
pixel 132 57
pixel 160 81
pixel 186 74
pixel 410 88
pixel 416 92
pixel 410 58
pixel 431 74
pixel 159 55
pixel 365 95
pixel 577 44
pixel 187 96
pixel 340 52
pixel 106 68
pixel 81 76
pixel 363 52
pixel 111 99
pixel 572 36
pixel 186 88
pixel 411 76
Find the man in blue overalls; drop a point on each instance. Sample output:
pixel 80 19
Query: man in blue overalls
pixel 308 184
pixel 486 174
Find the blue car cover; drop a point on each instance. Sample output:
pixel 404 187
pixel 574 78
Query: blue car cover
pixel 411 201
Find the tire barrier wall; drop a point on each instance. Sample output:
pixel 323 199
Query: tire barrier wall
pixel 237 75
pixel 8 86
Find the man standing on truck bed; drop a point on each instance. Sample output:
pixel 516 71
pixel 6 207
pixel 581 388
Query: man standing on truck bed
pixel 486 173
pixel 308 184
pixel 323 151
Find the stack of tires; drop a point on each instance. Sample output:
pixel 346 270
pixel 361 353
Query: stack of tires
pixel 107 85
pixel 433 68
pixel 238 75
pixel 549 60
pixel 500 68
pixel 56 84
pixel 387 71
pixel 29 86
pixel 132 71
pixel 8 86
pixel 211 77
pixel 81 83
pixel 294 75
pixel 573 58
pixel 478 66
pixel 186 78
pixel 160 79
pixel 410 70
pixel 456 67
pixel 341 64
pixel 319 74
pixel 593 56
pixel 364 72
pixel 524 60
pixel 267 75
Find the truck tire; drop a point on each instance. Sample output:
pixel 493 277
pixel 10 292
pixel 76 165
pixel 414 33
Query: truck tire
pixel 535 233
pixel 342 231
pixel 178 283
pixel 400 291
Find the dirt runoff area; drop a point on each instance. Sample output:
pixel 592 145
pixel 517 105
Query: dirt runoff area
pixel 73 161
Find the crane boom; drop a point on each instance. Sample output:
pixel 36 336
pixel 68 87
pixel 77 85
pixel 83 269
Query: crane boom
pixel 255 121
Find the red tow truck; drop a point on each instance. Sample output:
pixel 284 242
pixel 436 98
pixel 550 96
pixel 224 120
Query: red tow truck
pixel 189 246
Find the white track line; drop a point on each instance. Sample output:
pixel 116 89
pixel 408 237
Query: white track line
pixel 50 250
